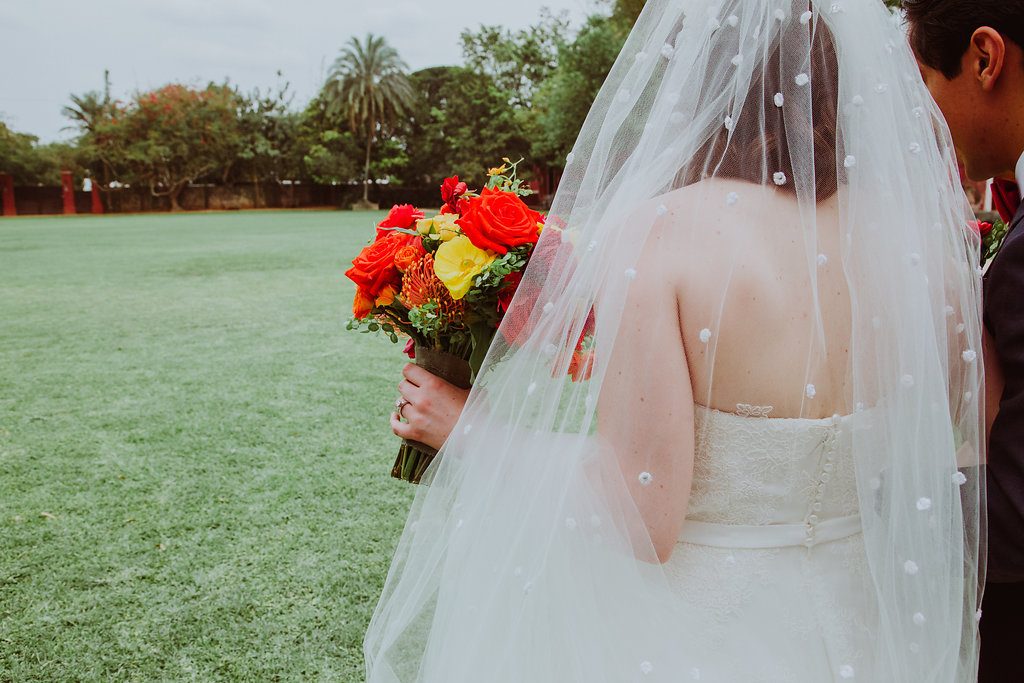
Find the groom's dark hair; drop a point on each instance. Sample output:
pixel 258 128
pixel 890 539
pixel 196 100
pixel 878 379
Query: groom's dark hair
pixel 940 30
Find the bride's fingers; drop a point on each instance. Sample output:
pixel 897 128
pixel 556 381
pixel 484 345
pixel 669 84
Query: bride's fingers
pixel 408 390
pixel 399 428
pixel 406 430
pixel 416 375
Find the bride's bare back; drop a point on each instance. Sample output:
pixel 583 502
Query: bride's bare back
pixel 760 336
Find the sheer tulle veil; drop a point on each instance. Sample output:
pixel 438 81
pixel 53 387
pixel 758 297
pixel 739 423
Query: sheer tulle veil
pixel 530 551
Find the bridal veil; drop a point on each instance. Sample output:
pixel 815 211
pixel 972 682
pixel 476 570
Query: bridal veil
pixel 531 552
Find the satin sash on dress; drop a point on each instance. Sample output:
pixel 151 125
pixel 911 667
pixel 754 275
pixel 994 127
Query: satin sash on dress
pixel 770 535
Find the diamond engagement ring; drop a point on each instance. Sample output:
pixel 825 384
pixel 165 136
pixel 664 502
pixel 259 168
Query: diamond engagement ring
pixel 400 405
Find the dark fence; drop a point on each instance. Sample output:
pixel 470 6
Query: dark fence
pixel 48 200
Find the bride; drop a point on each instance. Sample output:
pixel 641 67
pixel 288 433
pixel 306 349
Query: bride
pixel 764 465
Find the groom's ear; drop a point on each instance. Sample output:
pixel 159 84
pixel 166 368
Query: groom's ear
pixel 985 57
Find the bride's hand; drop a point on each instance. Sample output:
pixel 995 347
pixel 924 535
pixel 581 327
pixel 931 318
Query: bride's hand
pixel 433 407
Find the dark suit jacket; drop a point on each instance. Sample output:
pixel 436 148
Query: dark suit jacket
pixel 1004 318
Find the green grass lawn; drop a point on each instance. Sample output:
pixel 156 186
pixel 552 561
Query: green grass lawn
pixel 194 453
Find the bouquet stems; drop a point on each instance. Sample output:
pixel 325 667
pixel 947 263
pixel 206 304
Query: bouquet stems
pixel 414 457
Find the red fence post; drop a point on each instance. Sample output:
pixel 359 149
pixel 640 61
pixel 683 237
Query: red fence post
pixel 68 187
pixel 7 192
pixel 97 202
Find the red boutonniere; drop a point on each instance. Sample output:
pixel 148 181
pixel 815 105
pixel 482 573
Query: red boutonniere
pixel 992 236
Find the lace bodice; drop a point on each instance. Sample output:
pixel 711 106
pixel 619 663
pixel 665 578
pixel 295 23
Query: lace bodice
pixel 751 469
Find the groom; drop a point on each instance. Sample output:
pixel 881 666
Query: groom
pixel 971 54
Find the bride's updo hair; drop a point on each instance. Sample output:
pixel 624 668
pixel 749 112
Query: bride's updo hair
pixel 763 140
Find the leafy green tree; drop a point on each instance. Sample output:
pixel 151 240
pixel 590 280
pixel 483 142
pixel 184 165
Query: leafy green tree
pixel 426 148
pixel 27 161
pixel 565 98
pixel 461 122
pixel 169 137
pixel 625 12
pixel 517 61
pixel 368 86
pixel 479 126
pixel 332 158
pixel 270 147
pixel 329 153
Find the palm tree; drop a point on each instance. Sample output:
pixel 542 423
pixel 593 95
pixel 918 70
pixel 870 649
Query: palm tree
pixel 369 86
pixel 85 111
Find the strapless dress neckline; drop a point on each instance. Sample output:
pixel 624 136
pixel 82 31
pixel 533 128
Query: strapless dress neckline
pixel 753 412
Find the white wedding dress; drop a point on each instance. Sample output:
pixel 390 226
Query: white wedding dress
pixel 771 560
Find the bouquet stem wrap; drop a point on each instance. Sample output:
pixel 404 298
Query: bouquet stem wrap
pixel 414 457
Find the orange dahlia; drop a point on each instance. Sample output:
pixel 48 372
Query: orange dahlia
pixel 420 285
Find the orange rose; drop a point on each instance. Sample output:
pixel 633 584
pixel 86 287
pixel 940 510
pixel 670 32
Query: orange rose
pixel 375 267
pixel 581 366
pixel 408 255
pixel 363 304
pixel 499 221
pixel 387 295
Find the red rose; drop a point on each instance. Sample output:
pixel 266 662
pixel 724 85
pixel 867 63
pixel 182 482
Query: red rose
pixel 401 216
pixel 550 258
pixel 515 322
pixel 498 221
pixel 508 290
pixel 451 191
pixel 374 268
pixel 981 227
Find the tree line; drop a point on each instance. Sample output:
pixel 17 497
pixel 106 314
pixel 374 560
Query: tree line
pixel 518 94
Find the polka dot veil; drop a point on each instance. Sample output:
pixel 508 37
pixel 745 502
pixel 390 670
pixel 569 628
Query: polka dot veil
pixel 760 223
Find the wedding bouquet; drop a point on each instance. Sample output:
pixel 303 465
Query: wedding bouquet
pixel 445 283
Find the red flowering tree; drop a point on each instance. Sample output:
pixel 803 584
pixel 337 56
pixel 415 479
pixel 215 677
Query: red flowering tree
pixel 169 137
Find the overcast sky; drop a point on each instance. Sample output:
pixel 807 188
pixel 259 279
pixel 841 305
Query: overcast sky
pixel 52 48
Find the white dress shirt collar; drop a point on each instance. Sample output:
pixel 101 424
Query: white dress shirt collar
pixel 1020 172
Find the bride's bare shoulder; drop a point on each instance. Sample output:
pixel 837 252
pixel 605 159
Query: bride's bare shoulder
pixel 715 193
pixel 698 211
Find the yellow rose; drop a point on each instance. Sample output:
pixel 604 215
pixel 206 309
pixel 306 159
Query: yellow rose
pixel 446 227
pixel 441 227
pixel 457 262
pixel 423 225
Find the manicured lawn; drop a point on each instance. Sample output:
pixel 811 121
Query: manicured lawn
pixel 194 454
